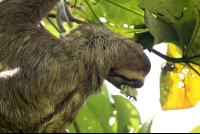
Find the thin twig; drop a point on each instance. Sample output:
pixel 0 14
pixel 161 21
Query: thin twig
pixel 53 24
pixel 193 68
pixel 174 60
pixel 70 19
pixel 41 25
pixel 93 12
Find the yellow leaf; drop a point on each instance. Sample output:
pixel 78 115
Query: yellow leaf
pixel 179 84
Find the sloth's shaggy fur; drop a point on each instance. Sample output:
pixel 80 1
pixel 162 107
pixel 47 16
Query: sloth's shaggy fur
pixel 55 76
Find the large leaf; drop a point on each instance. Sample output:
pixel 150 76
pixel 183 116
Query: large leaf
pixel 146 127
pixel 179 84
pixel 145 39
pixel 159 29
pixel 118 13
pixel 122 12
pixel 126 32
pixel 72 128
pixel 89 13
pixel 50 27
pixel 182 15
pixel 196 130
pixel 127 115
pixel 193 50
pixel 94 116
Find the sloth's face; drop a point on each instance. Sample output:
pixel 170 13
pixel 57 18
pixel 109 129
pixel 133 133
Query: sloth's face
pixel 120 77
pixel 128 73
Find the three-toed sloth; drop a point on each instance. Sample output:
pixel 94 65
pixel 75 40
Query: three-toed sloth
pixel 55 76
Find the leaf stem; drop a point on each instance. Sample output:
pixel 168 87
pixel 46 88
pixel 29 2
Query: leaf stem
pixel 194 63
pixel 75 3
pixel 195 32
pixel 174 60
pixel 70 19
pixel 197 56
pixel 93 12
pixel 124 8
pixel 193 68
pixel 41 25
pixel 65 2
pixel 76 127
pixel 53 25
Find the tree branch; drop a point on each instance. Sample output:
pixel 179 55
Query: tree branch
pixel 53 24
pixel 193 68
pixel 70 19
pixel 174 60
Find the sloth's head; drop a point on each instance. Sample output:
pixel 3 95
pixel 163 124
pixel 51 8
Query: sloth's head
pixel 121 60
pixel 131 71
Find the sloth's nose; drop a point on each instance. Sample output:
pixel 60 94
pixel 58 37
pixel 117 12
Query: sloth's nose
pixel 138 84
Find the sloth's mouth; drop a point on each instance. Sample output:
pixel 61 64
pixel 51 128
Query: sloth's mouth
pixel 129 91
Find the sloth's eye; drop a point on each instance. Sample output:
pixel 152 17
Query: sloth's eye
pixel 111 70
pixel 131 80
pixel 127 79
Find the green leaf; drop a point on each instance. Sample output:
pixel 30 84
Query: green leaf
pixel 126 32
pixel 145 39
pixel 89 13
pixel 183 16
pixel 94 116
pixel 180 14
pixel 50 27
pixel 115 11
pixel 76 1
pixel 127 115
pixel 102 108
pixel 121 12
pixel 161 31
pixel 72 128
pixel 193 49
pixel 196 130
pixel 86 121
pixel 146 127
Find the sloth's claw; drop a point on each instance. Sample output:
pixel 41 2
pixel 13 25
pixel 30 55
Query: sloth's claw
pixel 69 13
pixel 62 7
pixel 63 36
pixel 59 21
pixel 63 12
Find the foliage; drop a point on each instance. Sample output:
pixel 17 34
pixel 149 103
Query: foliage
pixel 177 23
pixel 98 110
pixel 179 83
pixel 196 130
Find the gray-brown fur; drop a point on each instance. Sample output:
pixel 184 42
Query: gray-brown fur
pixel 55 76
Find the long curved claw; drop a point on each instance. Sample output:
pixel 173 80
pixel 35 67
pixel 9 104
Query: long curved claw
pixel 63 36
pixel 69 13
pixel 62 7
pixel 59 21
pixel 64 13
